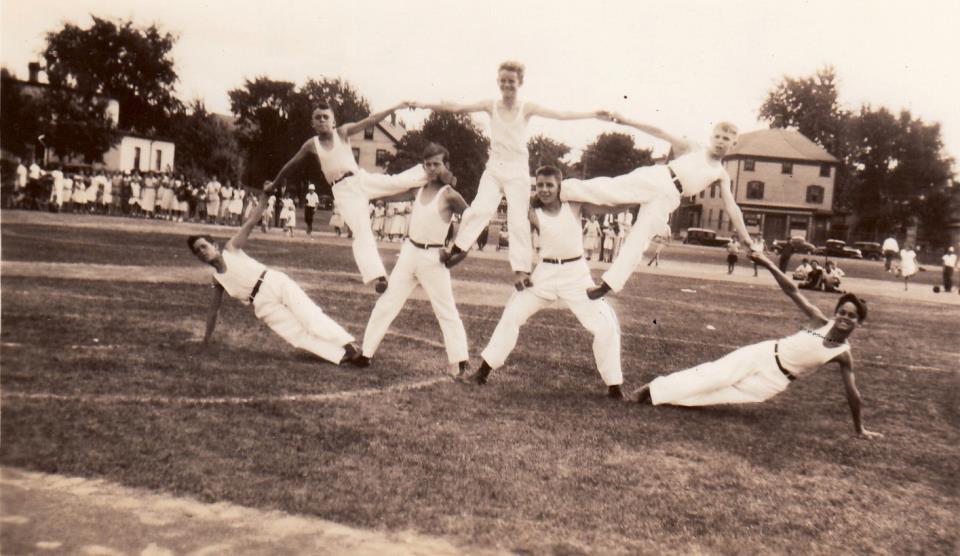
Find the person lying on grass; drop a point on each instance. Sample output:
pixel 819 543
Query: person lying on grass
pixel 277 300
pixel 758 372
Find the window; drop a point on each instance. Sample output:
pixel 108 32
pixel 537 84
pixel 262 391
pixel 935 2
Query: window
pixel 814 194
pixel 824 170
pixel 749 165
pixel 159 160
pixel 786 168
pixel 709 217
pixel 136 158
pixel 356 154
pixel 754 190
pixel 703 193
pixel 368 134
pixel 382 156
pixel 720 219
pixel 713 191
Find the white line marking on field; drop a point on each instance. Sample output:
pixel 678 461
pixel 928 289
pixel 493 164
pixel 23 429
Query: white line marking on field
pixel 166 400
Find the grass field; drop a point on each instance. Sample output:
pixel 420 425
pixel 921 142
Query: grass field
pixel 102 377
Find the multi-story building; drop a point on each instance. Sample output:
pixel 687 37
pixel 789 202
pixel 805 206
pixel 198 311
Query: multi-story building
pixel 783 183
pixel 376 144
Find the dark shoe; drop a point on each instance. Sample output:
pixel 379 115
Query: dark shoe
pixel 456 256
pixel 462 368
pixel 598 291
pixel 614 392
pixel 360 361
pixel 381 285
pixel 478 377
pixel 350 352
pixel 642 394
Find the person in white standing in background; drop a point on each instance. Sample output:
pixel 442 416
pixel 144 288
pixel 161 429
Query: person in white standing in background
pixel 213 200
pixel 908 264
pixel 561 275
pixel 949 267
pixel 507 172
pixel 310 203
pixel 660 241
pixel 658 190
pixel 591 236
pixel 433 206
pixel 890 249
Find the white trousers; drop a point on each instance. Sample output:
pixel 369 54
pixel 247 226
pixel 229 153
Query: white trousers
pixel 289 311
pixel 747 375
pixel 353 195
pixel 418 266
pixel 500 179
pixel 567 283
pixel 648 186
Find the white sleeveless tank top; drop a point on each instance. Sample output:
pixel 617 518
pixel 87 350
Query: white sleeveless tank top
pixel 241 275
pixel 426 224
pixel 560 235
pixel 696 172
pixel 508 139
pixel 807 350
pixel 336 162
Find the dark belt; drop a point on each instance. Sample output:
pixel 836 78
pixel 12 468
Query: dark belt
pixel 561 261
pixel 341 178
pixel 790 376
pixel 675 180
pixel 424 245
pixel 256 287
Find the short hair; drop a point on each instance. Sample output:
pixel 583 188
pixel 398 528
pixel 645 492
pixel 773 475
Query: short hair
pixel 548 170
pixel 191 240
pixel 322 105
pixel 729 127
pixel 433 149
pixel 514 66
pixel 859 303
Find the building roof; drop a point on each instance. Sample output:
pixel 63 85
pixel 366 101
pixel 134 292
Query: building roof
pixel 784 144
pixel 395 132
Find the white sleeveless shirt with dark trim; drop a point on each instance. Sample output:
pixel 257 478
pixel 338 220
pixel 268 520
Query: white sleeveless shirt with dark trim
pixel 560 234
pixel 336 162
pixel 807 350
pixel 427 226
pixel 508 139
pixel 241 275
pixel 696 171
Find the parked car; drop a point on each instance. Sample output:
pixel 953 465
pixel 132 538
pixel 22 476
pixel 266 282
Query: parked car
pixel 799 245
pixel 838 248
pixel 870 250
pixel 703 236
pixel 326 202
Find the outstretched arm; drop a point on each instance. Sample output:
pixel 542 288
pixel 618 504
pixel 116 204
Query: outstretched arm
pixel 736 215
pixel 845 360
pixel 480 106
pixel 537 110
pixel 212 312
pixel 372 119
pixel 789 288
pixel 240 239
pixel 303 153
pixel 679 145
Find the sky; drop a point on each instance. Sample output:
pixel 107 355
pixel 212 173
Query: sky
pixel 680 65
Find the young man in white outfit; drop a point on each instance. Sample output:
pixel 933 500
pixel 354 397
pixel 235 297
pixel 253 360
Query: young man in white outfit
pixel 658 190
pixel 758 372
pixel 507 173
pixel 352 187
pixel 562 275
pixel 419 263
pixel 277 300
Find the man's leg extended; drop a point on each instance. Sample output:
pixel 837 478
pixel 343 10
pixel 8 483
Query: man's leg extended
pixel 517 193
pixel 713 382
pixel 598 317
pixel 651 219
pixel 402 284
pixel 435 279
pixel 521 306
pixel 375 186
pixel 479 213
pixel 354 208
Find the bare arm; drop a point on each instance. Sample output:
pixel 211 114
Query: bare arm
pixel 212 312
pixel 455 202
pixel 480 106
pixel 679 145
pixel 534 219
pixel 240 239
pixel 305 150
pixel 537 110
pixel 789 288
pixel 372 119
pixel 845 360
pixel 736 215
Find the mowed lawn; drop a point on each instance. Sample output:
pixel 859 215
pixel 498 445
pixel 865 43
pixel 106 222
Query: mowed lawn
pixel 539 461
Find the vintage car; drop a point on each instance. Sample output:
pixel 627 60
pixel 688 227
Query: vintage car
pixel 838 248
pixel 870 250
pixel 797 244
pixel 703 236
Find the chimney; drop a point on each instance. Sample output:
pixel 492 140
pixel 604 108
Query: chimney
pixel 34 69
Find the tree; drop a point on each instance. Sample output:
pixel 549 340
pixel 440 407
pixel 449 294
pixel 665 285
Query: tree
pixel 19 117
pixel 544 150
pixel 206 146
pixel 115 59
pixel 460 135
pixel 613 154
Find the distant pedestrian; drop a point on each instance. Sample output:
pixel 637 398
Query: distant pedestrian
pixel 733 255
pixel 890 249
pixel 310 203
pixel 660 242
pixel 785 253
pixel 482 238
pixel 949 264
pixel 908 264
